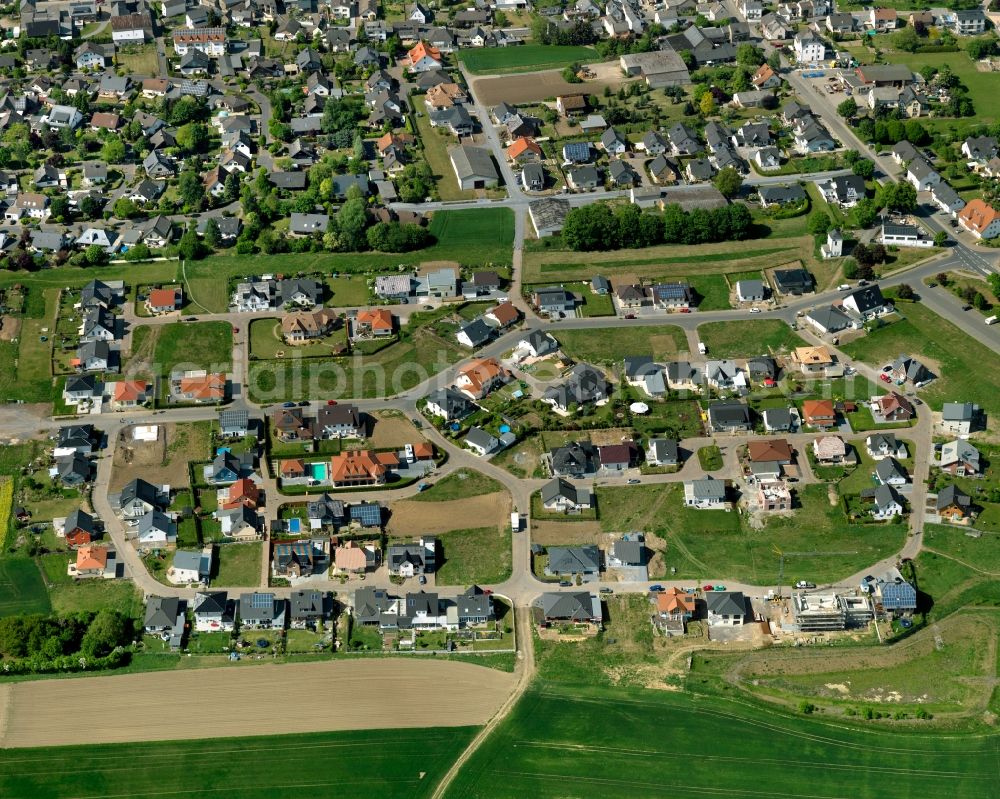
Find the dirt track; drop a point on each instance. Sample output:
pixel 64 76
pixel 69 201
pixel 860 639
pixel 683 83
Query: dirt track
pixel 251 700
pixel 533 87
pixel 413 518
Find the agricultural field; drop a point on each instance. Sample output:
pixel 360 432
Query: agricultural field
pixel 966 369
pixel 21 587
pixel 611 345
pixel 621 744
pixel 746 338
pixel 384 763
pixel 526 58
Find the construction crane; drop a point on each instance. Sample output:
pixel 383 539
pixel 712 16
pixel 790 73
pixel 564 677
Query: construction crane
pixel 781 565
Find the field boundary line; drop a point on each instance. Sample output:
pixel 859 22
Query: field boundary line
pixel 527 671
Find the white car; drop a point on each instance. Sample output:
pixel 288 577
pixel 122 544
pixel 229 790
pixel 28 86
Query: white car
pixel 844 287
pixel 755 310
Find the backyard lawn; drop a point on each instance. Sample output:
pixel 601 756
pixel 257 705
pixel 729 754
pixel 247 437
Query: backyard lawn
pixel 435 143
pixel 21 587
pixel 266 341
pixel 237 565
pixel 968 371
pixel 746 338
pixel 526 58
pixel 25 365
pixel 481 555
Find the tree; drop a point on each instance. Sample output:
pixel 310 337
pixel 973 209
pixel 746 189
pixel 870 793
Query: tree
pixel 95 255
pixel 138 252
pixel 192 137
pixel 863 168
pixel 979 301
pixel 90 207
pixel 981 48
pixel 125 208
pixel 108 630
pixel 994 282
pixel 906 39
pixel 191 190
pixel 728 181
pixel 865 212
pixel 113 151
pixel 590 227
pixel 900 197
pixel 352 220
pixel 941 238
pixel 190 247
pixel 905 291
pixel 850 268
pixel 60 209
pixel 749 55
pixel 394 237
pixel 848 108
pixel 819 223
pixel 212 237
pixel 707 104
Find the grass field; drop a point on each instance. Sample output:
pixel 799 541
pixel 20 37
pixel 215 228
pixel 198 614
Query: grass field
pixel 239 565
pixel 982 86
pixel 479 555
pixel 583 741
pixel 459 485
pixel 742 339
pixel 545 261
pixel 716 544
pixel 191 345
pixel 26 366
pixel 21 587
pixel 138 59
pixel 526 58
pixel 966 368
pixel 384 763
pixel 611 345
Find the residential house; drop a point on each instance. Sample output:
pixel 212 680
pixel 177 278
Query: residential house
pixel 262 610
pixel 584 384
pixel 889 471
pixel 953 504
pixel 561 495
pixel 156 529
pixel 729 416
pixel 78 528
pixel 584 561
pixel 480 377
pixel 961 418
pixel 214 612
pixel 819 413
pixel 893 407
pixel 725 608
pixel 449 404
pixel 830 449
pixel 705 494
pixel 662 452
pixel 581 608
pixel 884 445
pixel 960 458
pixel 980 219
pixel 412 559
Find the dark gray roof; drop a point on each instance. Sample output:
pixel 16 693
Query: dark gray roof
pixel 726 603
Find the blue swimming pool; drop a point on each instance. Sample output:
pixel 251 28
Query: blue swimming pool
pixel 318 471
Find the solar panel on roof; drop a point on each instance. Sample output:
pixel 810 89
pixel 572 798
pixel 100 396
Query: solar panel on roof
pixel 368 514
pixel 258 601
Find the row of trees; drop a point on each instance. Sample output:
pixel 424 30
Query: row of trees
pixel 89 634
pixel 600 226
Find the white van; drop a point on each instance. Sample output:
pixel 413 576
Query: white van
pixel 991 320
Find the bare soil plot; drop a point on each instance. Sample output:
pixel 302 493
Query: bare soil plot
pixel 413 518
pixel 251 700
pixel 558 533
pixel 164 461
pixel 10 326
pixel 392 429
pixel 533 87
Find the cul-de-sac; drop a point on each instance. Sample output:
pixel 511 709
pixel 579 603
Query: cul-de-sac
pixel 554 398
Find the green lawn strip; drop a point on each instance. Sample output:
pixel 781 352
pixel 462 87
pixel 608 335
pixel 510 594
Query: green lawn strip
pixel 460 484
pixel 748 337
pixel 614 262
pixel 968 371
pixel 435 143
pixel 26 366
pixel 238 564
pixel 981 553
pixel 710 458
pixel 611 345
pixel 623 743
pixel 478 555
pixel 348 291
pixel 384 763
pixel 526 58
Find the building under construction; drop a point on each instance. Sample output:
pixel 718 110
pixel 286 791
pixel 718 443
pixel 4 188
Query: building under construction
pixel 821 613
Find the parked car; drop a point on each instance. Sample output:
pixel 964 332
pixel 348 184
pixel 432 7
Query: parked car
pixel 565 583
pixel 755 310
pixel 707 588
pixel 633 482
pixel 607 591
pixel 288 405
pixel 719 588
pixel 885 378
pixel 805 584
pixel 656 588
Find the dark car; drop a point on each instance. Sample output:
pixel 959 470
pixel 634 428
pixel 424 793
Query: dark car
pixel 656 588
pixel 288 405
pixel 565 583
pixel 304 404
pixel 966 307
